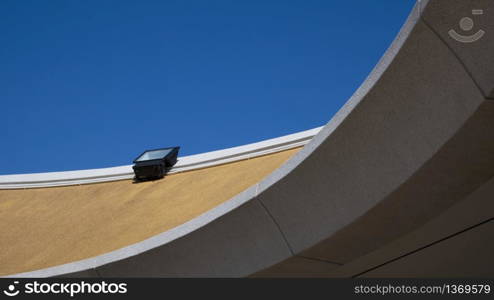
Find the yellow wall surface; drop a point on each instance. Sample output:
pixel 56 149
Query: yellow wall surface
pixel 46 227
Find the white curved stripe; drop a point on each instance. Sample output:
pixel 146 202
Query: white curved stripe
pixel 186 163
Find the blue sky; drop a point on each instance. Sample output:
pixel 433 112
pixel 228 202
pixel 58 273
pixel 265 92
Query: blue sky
pixel 89 84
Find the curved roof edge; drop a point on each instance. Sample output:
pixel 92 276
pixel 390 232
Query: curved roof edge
pixel 226 208
pixel 380 169
pixel 186 163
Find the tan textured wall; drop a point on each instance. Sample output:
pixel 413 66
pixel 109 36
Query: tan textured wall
pixel 41 228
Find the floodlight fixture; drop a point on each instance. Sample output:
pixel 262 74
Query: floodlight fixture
pixel 154 164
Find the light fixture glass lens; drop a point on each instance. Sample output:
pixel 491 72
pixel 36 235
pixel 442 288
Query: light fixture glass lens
pixel 155 154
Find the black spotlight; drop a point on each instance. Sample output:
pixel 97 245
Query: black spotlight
pixel 153 164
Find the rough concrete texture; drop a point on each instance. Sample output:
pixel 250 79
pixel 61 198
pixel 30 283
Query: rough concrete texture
pixel 237 244
pixel 463 164
pixel 297 266
pixel 471 211
pixel 396 128
pixel 468 254
pixel 470 19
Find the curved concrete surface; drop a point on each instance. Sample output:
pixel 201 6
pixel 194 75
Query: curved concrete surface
pixel 398 183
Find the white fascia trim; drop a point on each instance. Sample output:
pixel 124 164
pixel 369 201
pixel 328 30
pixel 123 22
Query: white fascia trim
pixel 186 163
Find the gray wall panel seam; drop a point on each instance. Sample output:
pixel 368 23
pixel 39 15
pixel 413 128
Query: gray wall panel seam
pixel 97 272
pixel 277 225
pixel 455 55
pixel 320 260
pixel 424 247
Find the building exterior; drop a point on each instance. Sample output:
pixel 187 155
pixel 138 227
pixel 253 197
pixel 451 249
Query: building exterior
pixel 399 183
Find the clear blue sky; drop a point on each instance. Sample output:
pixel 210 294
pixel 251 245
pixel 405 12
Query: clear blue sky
pixel 89 84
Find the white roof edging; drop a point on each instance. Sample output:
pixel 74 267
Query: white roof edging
pixel 186 163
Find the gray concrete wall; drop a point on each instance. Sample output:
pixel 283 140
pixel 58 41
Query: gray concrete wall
pixel 454 224
pixel 415 141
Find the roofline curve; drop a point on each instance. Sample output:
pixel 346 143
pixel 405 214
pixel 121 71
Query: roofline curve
pixel 370 165
pixel 185 163
pixel 253 191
